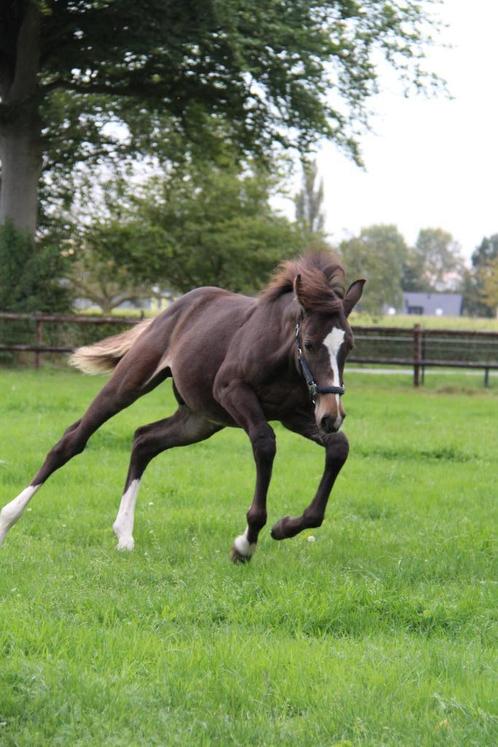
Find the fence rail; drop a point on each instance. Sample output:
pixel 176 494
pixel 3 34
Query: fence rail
pixel 416 347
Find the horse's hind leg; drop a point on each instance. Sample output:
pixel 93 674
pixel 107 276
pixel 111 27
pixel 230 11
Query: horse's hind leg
pixel 125 386
pixel 181 429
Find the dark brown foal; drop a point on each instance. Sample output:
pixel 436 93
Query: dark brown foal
pixel 235 361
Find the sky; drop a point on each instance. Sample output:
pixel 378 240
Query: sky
pixel 429 162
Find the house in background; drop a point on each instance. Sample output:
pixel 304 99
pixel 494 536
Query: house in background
pixel 432 304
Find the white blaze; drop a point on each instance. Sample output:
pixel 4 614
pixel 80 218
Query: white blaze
pixel 123 526
pixel 333 343
pixel 13 510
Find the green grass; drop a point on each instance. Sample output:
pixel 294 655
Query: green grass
pixel 429 322
pixel 381 632
pixel 482 324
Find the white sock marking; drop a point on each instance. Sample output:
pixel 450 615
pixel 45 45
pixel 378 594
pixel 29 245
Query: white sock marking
pixel 123 526
pixel 13 510
pixel 333 343
pixel 243 546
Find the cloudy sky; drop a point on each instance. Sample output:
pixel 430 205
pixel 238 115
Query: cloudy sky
pixel 430 162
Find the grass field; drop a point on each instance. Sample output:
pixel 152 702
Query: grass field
pixel 380 632
pixel 480 324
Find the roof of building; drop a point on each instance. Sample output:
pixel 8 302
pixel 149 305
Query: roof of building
pixel 433 304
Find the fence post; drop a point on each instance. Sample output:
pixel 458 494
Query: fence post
pixel 417 353
pixel 39 341
pixel 486 377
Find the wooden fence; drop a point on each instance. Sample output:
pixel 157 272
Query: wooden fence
pixel 35 328
pixel 416 347
pixel 420 348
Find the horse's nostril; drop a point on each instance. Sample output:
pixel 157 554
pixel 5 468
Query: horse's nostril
pixel 327 424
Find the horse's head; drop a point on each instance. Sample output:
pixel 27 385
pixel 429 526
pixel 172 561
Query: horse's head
pixel 324 339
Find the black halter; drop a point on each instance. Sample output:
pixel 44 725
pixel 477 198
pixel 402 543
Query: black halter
pixel 313 388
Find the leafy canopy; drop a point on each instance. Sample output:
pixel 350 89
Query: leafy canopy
pixel 480 282
pixel 434 263
pixel 196 225
pixel 29 274
pixel 377 254
pixel 255 72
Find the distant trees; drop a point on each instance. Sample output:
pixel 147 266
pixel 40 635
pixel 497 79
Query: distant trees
pixel 479 298
pixel 489 276
pixel 309 200
pixel 434 263
pixel 381 254
pixel 197 225
pixel 95 272
pixel 377 254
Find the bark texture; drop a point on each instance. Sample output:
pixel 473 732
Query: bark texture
pixel 20 125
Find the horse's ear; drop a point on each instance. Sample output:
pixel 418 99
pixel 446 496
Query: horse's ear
pixel 353 295
pixel 298 291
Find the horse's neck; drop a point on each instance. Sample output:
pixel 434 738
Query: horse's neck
pixel 275 329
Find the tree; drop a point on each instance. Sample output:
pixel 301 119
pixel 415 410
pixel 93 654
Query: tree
pixel 377 254
pixel 202 72
pixel 197 225
pixel 96 274
pixel 489 277
pixel 29 274
pixel 474 295
pixel 309 201
pixel 434 263
pixel 486 252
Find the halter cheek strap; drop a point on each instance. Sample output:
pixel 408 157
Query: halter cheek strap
pixel 313 388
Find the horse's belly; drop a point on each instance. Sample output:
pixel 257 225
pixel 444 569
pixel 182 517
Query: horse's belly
pixel 194 381
pixel 198 350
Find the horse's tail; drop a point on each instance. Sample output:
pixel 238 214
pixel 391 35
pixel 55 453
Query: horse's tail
pixel 103 356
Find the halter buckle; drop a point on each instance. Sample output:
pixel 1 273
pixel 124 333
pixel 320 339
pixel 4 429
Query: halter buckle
pixel 313 390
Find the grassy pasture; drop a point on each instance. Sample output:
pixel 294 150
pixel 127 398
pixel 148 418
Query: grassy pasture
pixel 382 631
pixel 463 323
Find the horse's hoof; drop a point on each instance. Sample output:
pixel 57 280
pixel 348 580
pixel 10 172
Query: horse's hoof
pixel 278 530
pixel 238 557
pixel 125 544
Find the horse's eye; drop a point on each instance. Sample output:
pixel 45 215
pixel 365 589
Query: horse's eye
pixel 308 346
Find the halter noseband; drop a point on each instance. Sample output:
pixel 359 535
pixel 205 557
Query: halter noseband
pixel 313 388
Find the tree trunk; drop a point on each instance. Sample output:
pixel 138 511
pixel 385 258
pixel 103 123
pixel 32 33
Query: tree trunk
pixel 21 167
pixel 20 126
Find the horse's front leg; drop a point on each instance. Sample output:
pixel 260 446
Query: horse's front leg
pixel 336 452
pixel 241 402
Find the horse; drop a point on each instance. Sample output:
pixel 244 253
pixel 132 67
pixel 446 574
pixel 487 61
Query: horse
pixel 235 361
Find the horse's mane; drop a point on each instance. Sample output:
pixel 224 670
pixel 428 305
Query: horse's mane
pixel 321 284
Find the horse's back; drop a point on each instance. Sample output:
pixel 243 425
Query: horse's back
pixel 195 333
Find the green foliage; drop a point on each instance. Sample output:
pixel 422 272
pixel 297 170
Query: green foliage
pixel 434 263
pixel 261 67
pixel 377 254
pixel 97 273
pixel 474 294
pixel 381 632
pixel 180 77
pixel 489 278
pixel 198 225
pixel 486 251
pixel 309 201
pixel 30 274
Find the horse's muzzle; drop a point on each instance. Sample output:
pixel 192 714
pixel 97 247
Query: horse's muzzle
pixel 331 425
